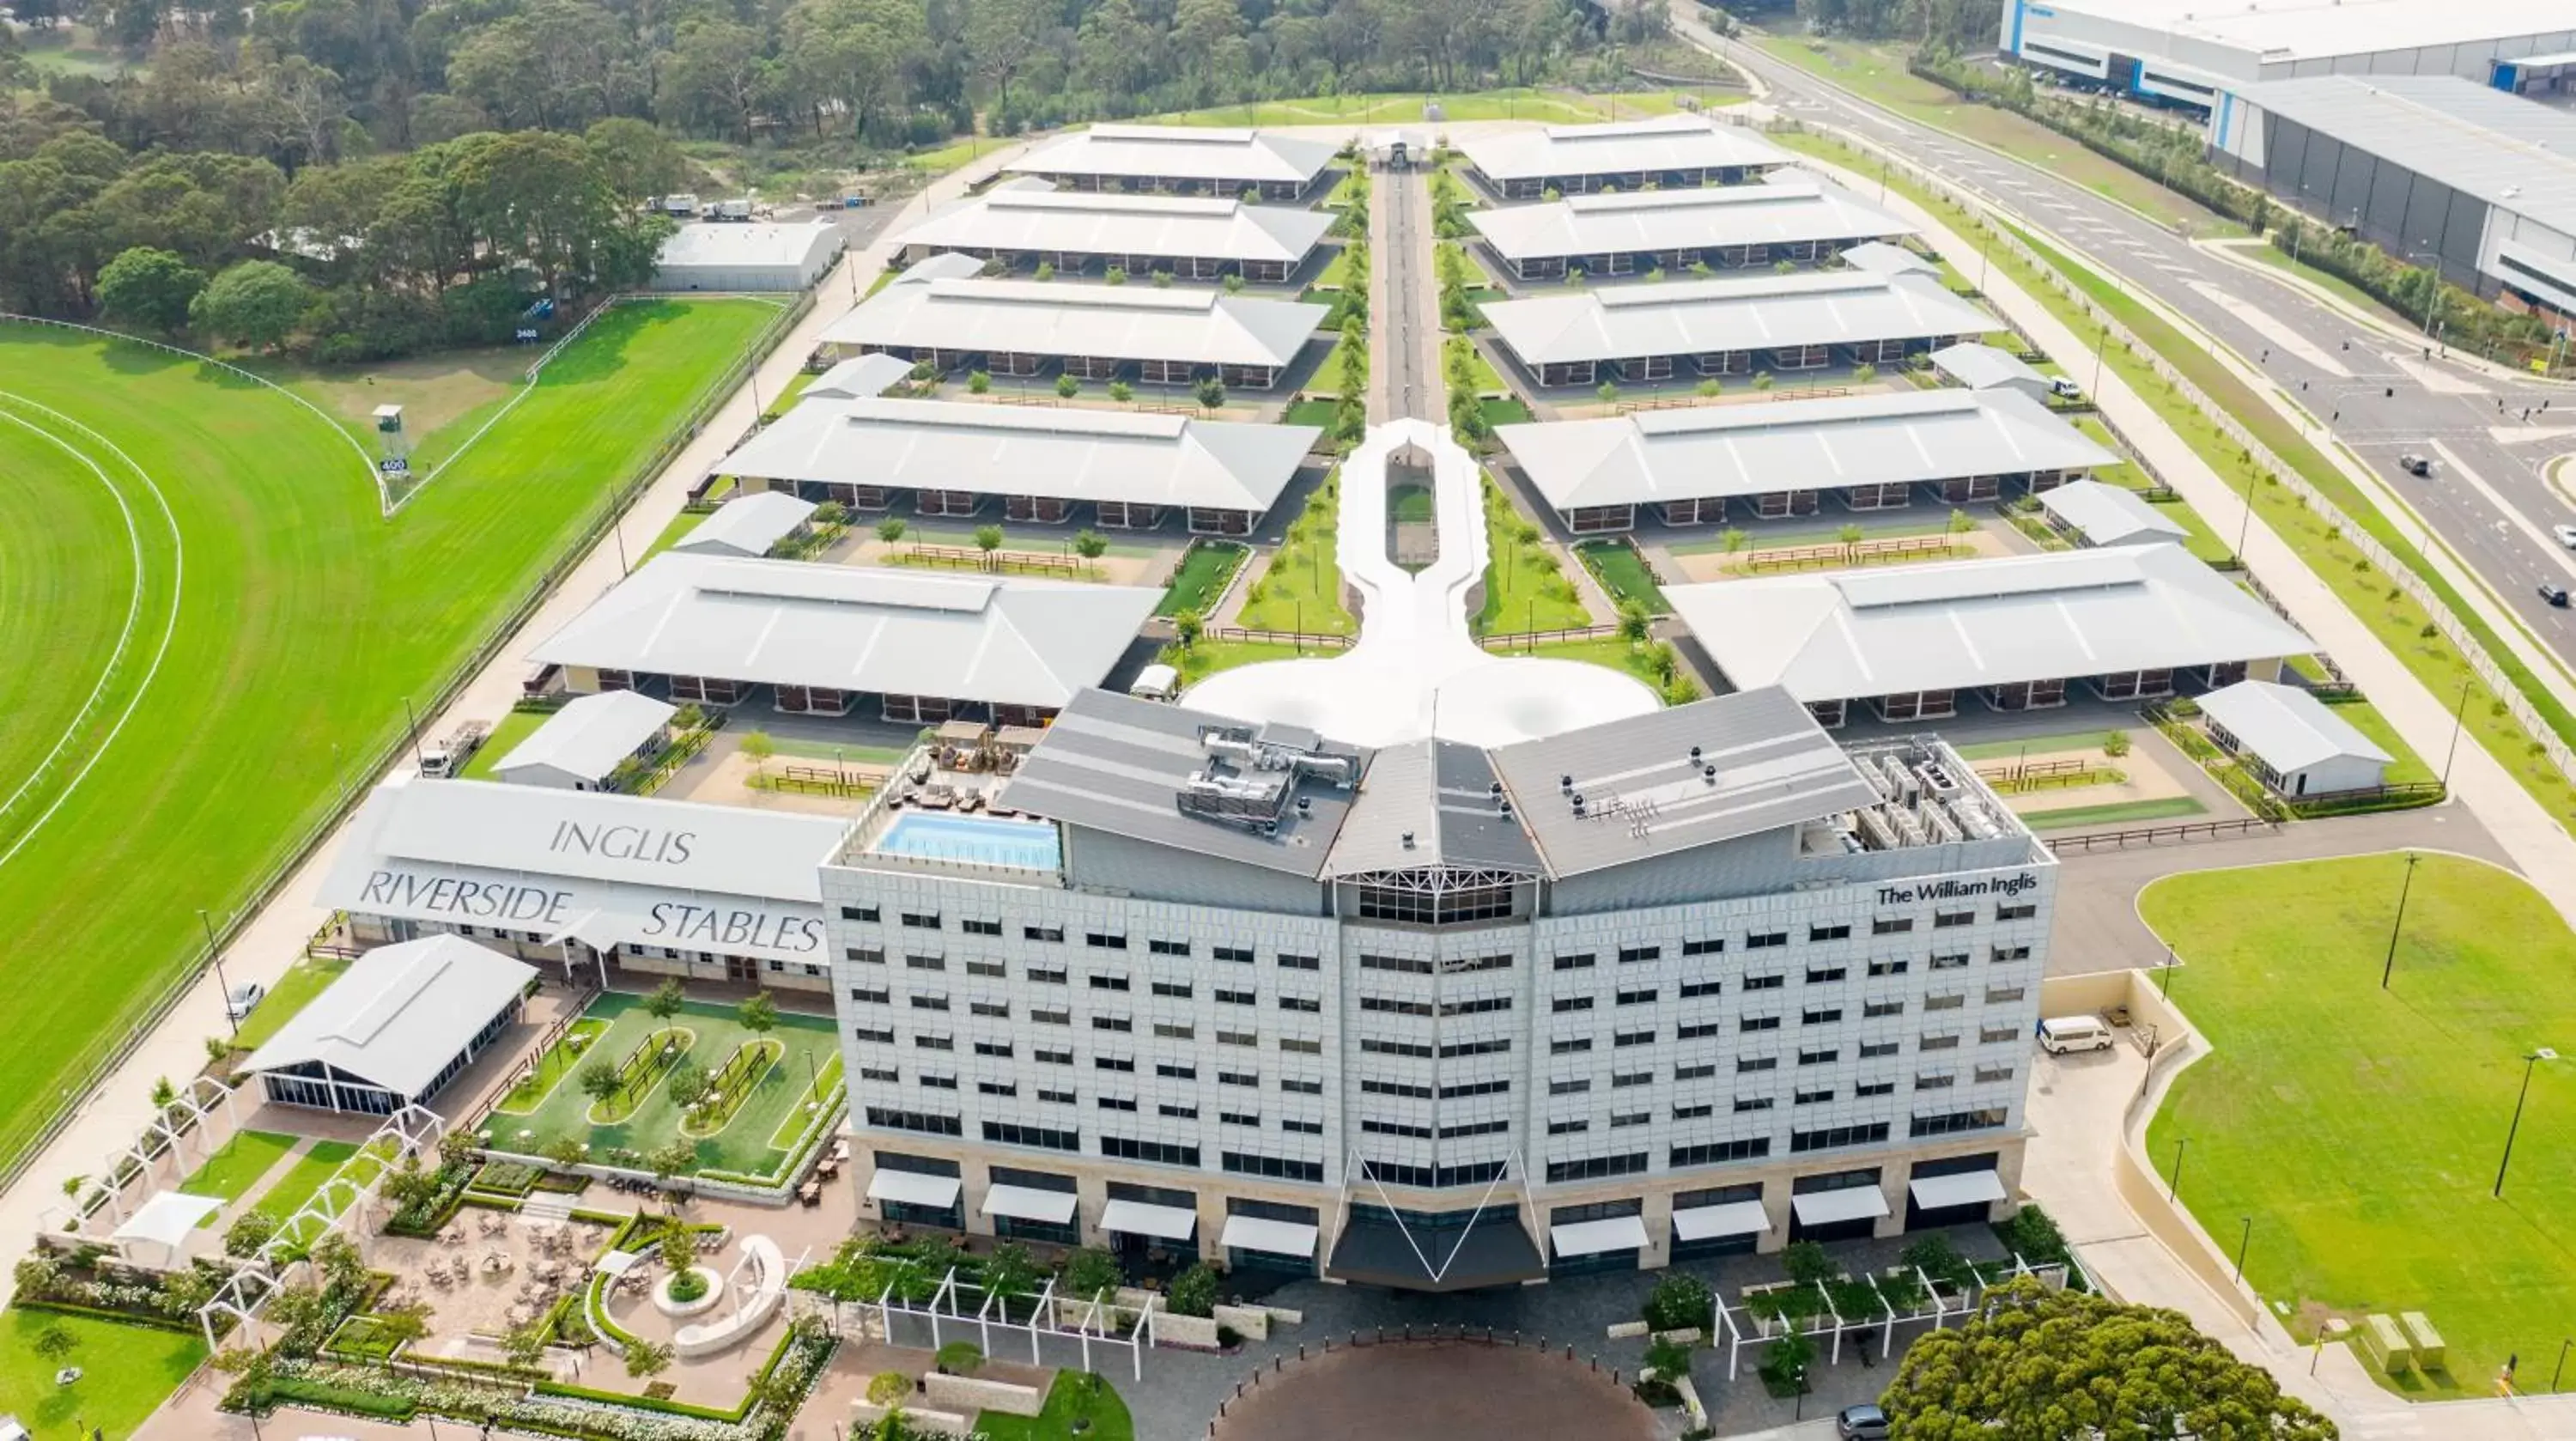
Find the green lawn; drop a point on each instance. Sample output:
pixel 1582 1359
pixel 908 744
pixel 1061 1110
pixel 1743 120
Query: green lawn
pixel 1210 656
pixel 780 403
pixel 294 991
pixel 1409 503
pixel 578 1040
pixel 515 727
pixel 1504 410
pixel 242 1159
pixel 952 156
pixel 305 1177
pixel 126 1372
pixel 1611 653
pixel 2406 768
pixel 743 1145
pixel 1311 412
pixel 1302 589
pixel 1327 379
pixel 2114 814
pixel 2361 1128
pixel 1336 272
pixel 2029 745
pixel 1622 572
pixel 1065 1403
pixel 234 719
pixel 1202 576
pixel 2275 259
pixel 1525 590
pixel 1488 381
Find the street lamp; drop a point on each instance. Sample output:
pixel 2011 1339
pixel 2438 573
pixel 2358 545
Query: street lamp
pixel 2173 1183
pixel 2241 1243
pixel 215 957
pixel 2530 1063
pixel 2459 718
pixel 2399 924
pixel 2098 341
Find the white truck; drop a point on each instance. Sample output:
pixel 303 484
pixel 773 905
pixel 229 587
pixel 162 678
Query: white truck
pixel 447 758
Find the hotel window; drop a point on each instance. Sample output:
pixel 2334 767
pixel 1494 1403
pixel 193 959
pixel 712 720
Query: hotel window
pixel 1758 1023
pixel 1621 1119
pixel 1568 1045
pixel 1871 1050
pixel 1945 1001
pixel 1996 1035
pixel 1691 990
pixel 930 1003
pixel 1938 1041
pixel 997 1088
pixel 2021 912
pixel 1238 1078
pixel 1825 975
pixel 935 1043
pixel 1868 1089
pixel 922 920
pixel 1474 1048
pixel 1167 948
pixel 883 1075
pixel 1621 1080
pixel 1474 1128
pixel 1108 983
pixel 1824 1057
pixel 1238 1118
pixel 878 997
pixel 1308 1004
pixel 1296 1087
pixel 1578 962
pixel 1882 1008
pixel 1241 955
pixel 1177 990
pixel 998 1049
pixel 1944 920
pixel 1574 1087
pixel 1046 1057
pixel 858 913
pixel 1891 925
pixel 1631 1038
pixel 1745 1104
pixel 1700 1072
pixel 1059 1098
pixel 1301 1047
pixel 1113 1063
pixel 882 1037
pixel 1745 1065
pixel 1289 961
pixel 1236 998
pixel 1751 1148
pixel 1459 965
pixel 866 955
pixel 1476 1007
pixel 1815 1098
pixel 1833 1136
pixel 1771 982
pixel 1820 1016
pixel 1395 1088
pixel 974 927
pixel 1040 1015
pixel 1645 997
pixel 1112 1023
pixel 926 963
pixel 1890 968
pixel 1703 948
pixel 1630 954
pixel 1829 933
pixel 1697 1032
pixel 1102 940
pixel 2004 995
pixel 1935 1081
pixel 1177 1113
pixel 1563 1004
pixel 1413 965
pixel 993 970
pixel 1238 1038
pixel 2004 954
pixel 1042 933
pixel 1567 1128
pixel 1764 940
pixel 1171 1032
pixel 1115 1103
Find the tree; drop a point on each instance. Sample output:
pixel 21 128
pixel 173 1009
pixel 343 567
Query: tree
pixel 1067 387
pixel 1864 374
pixel 1090 1271
pixel 758 746
pixel 1634 623
pixel 148 287
pixel 988 539
pixel 1121 391
pixel 758 1013
pixel 2115 744
pixel 525 1345
pixel 890 529
pixel 888 1387
pixel 1807 1263
pixel 959 1358
pixel 1960 523
pixel 1711 388
pixel 978 382
pixel 1090 544
pixel 647 1359
pixel 1209 392
pixel 255 304
pixel 218 1050
pixel 680 1249
pixel 1187 626
pixel 73 1186
pixel 672 1158
pixel 688 1084
pixel 1850 535
pixel 1115 275
pixel 1011 1271
pixel 1609 393
pixel 163 1093
pixel 2060 1365
pixel 400 1326
pixel 599 1081
pixel 56 1344
pixel 1680 1301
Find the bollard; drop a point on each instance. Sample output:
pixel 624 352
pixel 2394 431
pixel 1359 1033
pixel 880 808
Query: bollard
pixel 1408 1331
pixel 1301 1350
pixel 1275 1363
pixel 1238 1390
pixel 1596 1365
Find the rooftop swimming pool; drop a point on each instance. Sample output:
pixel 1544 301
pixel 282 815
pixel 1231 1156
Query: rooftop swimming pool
pixel 973 840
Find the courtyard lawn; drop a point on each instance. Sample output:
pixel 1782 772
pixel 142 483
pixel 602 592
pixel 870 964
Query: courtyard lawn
pixel 294 991
pixel 577 1042
pixel 1619 655
pixel 513 728
pixel 1302 589
pixel 305 1177
pixel 745 1142
pixel 2112 815
pixel 2360 1128
pixel 1310 412
pixel 1202 577
pixel 241 1160
pixel 126 1372
pixel 1065 1404
pixel 1525 589
pixel 1622 572
pixel 231 722
pixel 1210 656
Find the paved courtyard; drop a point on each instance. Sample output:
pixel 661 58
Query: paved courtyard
pixel 1430 1391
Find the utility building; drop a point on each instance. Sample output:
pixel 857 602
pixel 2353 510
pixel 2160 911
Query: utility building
pixel 757 257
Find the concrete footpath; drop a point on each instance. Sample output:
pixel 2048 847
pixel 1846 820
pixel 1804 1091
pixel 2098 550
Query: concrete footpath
pixel 110 1116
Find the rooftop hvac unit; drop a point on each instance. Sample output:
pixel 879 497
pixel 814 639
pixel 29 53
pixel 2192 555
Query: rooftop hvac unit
pixel 1899 783
pixel 1977 819
pixel 1936 821
pixel 1937 778
pixel 1875 830
pixel 1909 831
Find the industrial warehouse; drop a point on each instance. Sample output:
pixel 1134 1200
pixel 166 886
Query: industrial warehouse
pixel 1298 975
pixel 1956 446
pixel 1672 152
pixel 1092 332
pixel 1192 161
pixel 1785 218
pixel 1132 469
pixel 1731 326
pixel 929 646
pixel 1025 223
pixel 1908 643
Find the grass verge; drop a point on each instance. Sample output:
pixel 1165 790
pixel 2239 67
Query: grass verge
pixel 2114 814
pixel 1302 588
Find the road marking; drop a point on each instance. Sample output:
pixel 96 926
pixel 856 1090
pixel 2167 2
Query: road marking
pixel 2538 536
pixel 2281 336
pixel 2435 379
pixel 2526 434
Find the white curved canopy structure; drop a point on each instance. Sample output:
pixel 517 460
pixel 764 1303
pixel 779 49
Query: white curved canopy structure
pixel 1415 672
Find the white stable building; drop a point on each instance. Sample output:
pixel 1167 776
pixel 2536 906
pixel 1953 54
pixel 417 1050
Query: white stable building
pixel 759 257
pixel 1689 465
pixel 1980 366
pixel 927 644
pixel 1789 217
pixel 1909 642
pixel 397 1026
pixel 1670 152
pixel 2292 741
pixel 748 526
pixel 593 884
pixel 1187 160
pixel 581 746
pixel 1732 326
pixel 1096 333
pixel 1026 223
pixel 2091 512
pixel 1132 469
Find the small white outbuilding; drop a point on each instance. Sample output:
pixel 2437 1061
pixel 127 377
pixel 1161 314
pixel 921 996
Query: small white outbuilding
pixel 2292 741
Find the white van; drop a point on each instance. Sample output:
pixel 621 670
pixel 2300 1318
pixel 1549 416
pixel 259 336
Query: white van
pixel 1156 682
pixel 2059 1035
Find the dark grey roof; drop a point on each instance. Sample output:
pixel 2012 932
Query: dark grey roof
pixel 1431 803
pixel 1646 795
pixel 1118 764
pixel 1377 1250
pixel 2513 153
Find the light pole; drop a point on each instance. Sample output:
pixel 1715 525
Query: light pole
pixel 2098 340
pixel 2530 1063
pixel 215 957
pixel 2398 925
pixel 2241 1243
pixel 2562 1362
pixel 2173 1183
pixel 2432 286
pixel 2459 718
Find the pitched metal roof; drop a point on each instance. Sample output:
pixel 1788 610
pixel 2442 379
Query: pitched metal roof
pixel 1118 764
pixel 2110 514
pixel 1067 452
pixel 1958 625
pixel 2512 153
pixel 1029 215
pixel 1125 322
pixel 2287 727
pixel 747 524
pixel 590 735
pixel 1819 307
pixel 1777 212
pixel 760 243
pixel 1431 803
pixel 2277 32
pixel 1750 448
pixel 400 1013
pixel 1979 366
pixel 1690 776
pixel 1671 142
pixel 860 375
pixel 1006 640
pixel 1173 152
pixel 1880 258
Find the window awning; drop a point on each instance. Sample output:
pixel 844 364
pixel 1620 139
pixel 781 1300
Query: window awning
pixel 1734 1218
pixel 1136 1218
pixel 1279 1238
pixel 1968 1188
pixel 1852 1203
pixel 1027 1203
pixel 913 1188
pixel 1591 1238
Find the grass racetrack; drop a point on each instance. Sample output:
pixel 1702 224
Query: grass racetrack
pixel 2361 1128
pixel 273 621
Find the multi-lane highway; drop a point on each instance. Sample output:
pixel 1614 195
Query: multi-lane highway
pixel 2380 389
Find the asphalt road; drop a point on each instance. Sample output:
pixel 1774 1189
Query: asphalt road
pixel 2487 497
pixel 1404 379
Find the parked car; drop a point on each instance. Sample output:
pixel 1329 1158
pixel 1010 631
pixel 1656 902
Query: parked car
pixel 2554 594
pixel 2414 464
pixel 2059 1035
pixel 2566 535
pixel 2065 389
pixel 243 1000
pixel 1861 1423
